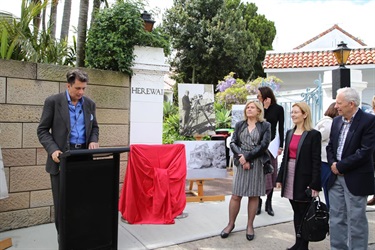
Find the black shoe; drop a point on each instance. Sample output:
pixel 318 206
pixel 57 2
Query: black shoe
pixel 269 209
pixel 250 237
pixel 296 245
pixel 259 206
pixel 224 235
pixel 292 248
pixel 270 212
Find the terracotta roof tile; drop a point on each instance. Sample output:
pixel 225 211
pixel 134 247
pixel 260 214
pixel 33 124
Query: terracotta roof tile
pixel 328 31
pixel 310 59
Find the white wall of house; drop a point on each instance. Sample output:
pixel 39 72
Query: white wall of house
pixel 302 78
pixel 330 41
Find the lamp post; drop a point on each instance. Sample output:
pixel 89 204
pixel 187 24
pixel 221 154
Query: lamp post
pixel 149 23
pixel 340 76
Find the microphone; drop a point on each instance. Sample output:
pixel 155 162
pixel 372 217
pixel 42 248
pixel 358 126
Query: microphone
pixel 70 130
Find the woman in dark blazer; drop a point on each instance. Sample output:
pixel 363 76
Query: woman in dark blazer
pixel 299 172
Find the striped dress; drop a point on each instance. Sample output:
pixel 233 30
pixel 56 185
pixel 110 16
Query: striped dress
pixel 249 182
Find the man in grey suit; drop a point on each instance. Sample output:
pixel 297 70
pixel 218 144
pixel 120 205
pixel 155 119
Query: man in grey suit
pixel 68 122
pixel 349 153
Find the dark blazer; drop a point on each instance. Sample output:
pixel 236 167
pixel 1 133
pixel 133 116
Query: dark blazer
pixel 356 160
pixel 308 164
pixel 54 126
pixel 264 129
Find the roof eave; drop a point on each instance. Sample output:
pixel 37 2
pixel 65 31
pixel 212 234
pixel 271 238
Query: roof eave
pixel 284 70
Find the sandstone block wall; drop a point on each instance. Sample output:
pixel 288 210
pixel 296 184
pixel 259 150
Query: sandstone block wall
pixel 23 89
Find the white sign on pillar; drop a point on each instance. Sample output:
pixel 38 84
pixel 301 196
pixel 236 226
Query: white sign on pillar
pixel 147 96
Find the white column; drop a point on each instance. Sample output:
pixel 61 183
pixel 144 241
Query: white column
pixel 355 82
pixel 147 96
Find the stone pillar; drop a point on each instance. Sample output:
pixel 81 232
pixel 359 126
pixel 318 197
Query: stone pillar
pixel 147 95
pixel 355 82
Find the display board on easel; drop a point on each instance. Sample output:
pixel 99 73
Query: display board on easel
pixel 205 160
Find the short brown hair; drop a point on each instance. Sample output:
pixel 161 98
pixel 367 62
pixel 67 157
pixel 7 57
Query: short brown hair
pixel 331 111
pixel 75 74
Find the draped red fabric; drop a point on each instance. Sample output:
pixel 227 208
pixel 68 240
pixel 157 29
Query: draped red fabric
pixel 154 187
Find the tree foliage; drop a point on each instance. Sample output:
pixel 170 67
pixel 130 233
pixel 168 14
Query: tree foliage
pixel 114 33
pixel 265 33
pixel 21 40
pixel 213 37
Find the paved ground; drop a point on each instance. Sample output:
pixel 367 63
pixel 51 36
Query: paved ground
pixel 200 230
pixel 277 236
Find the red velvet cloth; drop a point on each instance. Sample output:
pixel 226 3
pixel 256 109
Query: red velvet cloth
pixel 154 185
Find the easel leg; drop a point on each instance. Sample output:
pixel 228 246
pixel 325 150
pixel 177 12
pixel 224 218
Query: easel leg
pixel 5 243
pixel 191 185
pixel 199 196
pixel 200 187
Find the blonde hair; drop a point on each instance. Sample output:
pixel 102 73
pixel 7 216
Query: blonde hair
pixel 259 106
pixel 307 123
pixel 373 102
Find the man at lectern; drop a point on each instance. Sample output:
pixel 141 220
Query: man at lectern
pixel 68 122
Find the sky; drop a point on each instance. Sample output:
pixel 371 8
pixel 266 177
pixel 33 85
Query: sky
pixel 296 21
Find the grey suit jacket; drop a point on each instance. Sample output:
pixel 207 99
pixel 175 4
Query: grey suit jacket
pixel 54 126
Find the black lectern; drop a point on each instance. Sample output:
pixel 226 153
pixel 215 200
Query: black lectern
pixel 89 193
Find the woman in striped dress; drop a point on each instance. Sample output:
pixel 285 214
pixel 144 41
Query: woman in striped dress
pixel 249 144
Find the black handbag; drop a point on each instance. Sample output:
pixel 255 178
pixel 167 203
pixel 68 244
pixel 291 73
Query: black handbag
pixel 315 224
pixel 267 168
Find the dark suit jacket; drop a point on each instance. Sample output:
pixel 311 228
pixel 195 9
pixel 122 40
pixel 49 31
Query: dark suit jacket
pixel 308 164
pixel 356 160
pixel 54 126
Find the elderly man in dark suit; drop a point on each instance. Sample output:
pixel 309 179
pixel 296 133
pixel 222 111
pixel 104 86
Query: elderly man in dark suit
pixel 68 122
pixel 349 153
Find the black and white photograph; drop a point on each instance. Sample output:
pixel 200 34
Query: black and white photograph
pixel 237 114
pixel 196 108
pixel 205 159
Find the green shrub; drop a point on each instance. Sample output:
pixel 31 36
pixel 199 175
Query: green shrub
pixel 115 32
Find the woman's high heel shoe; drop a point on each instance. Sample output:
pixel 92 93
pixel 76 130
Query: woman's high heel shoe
pixel 250 237
pixel 224 235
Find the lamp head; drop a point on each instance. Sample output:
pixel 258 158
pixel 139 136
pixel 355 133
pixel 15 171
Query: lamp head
pixel 342 54
pixel 149 23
